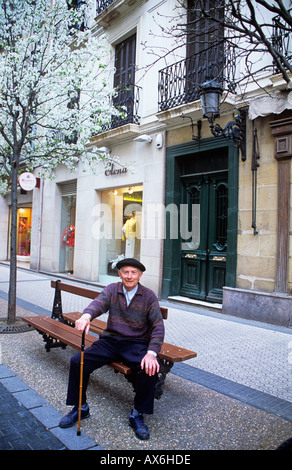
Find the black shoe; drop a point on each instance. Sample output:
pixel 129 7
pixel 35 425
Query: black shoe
pixel 71 418
pixel 140 428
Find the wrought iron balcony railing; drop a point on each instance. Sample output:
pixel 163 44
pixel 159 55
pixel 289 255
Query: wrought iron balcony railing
pixel 282 42
pixel 127 101
pixel 102 5
pixel 180 83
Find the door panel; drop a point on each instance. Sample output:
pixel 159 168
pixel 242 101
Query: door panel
pixel 204 263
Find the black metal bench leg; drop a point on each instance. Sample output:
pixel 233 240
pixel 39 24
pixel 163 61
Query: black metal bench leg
pixel 165 367
pixel 51 342
pixel 57 312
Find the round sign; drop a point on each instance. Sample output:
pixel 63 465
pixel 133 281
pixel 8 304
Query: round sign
pixel 27 181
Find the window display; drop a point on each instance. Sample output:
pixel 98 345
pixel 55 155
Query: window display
pixel 23 233
pixel 120 228
pixel 66 262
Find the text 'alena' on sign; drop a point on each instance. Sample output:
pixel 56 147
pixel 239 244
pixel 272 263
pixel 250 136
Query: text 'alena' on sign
pixel 113 171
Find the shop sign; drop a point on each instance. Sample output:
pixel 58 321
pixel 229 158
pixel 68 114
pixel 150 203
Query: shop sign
pixel 27 181
pixel 113 171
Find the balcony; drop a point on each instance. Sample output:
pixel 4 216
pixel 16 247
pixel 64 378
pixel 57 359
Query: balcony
pixel 127 101
pixel 101 5
pixel 180 82
pixel 281 41
pixel 108 11
pixel 126 126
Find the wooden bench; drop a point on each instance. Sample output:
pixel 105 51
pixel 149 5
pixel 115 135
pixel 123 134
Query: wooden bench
pixel 58 331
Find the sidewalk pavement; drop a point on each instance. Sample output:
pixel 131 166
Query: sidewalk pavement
pixel 28 422
pixel 236 394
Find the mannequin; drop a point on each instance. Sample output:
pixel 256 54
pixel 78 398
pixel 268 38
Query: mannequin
pixel 69 235
pixel 129 234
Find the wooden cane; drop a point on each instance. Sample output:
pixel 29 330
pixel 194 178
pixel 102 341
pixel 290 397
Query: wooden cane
pixel 81 382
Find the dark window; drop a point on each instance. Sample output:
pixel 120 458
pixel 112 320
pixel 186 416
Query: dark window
pixel 205 38
pixel 180 82
pixel 124 80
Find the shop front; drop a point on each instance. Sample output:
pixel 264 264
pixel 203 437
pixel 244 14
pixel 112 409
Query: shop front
pixel 24 228
pixel 101 216
pixel 23 243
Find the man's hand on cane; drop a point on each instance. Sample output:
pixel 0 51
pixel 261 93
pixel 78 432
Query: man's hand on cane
pixel 83 323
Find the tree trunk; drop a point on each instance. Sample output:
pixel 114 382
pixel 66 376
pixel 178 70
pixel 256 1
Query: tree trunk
pixel 13 239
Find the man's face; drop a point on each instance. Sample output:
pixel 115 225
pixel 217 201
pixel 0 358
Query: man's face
pixel 130 277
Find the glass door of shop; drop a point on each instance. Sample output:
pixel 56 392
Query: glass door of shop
pixel 68 213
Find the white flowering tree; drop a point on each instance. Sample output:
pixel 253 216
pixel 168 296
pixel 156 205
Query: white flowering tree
pixel 52 97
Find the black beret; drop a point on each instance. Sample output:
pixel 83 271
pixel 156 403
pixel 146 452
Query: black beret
pixel 131 262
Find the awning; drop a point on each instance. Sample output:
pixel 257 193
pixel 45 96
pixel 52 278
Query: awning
pixel 272 103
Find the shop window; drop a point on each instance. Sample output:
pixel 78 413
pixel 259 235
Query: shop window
pixel 68 211
pixel 120 228
pixel 23 233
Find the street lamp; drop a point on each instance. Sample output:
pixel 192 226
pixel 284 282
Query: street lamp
pixel 210 96
pixel 210 99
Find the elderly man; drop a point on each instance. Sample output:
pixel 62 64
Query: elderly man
pixel 134 335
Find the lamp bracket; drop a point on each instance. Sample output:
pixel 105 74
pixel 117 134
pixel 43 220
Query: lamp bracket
pixel 235 130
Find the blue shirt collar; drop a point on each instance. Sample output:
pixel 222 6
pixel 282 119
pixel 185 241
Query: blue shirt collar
pixel 130 294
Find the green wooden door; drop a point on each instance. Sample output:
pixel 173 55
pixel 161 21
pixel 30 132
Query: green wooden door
pixel 204 254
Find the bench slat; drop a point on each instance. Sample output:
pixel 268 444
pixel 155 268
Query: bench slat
pixel 59 331
pixel 83 291
pixel 172 353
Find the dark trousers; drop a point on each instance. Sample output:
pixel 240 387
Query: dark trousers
pixel 104 351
